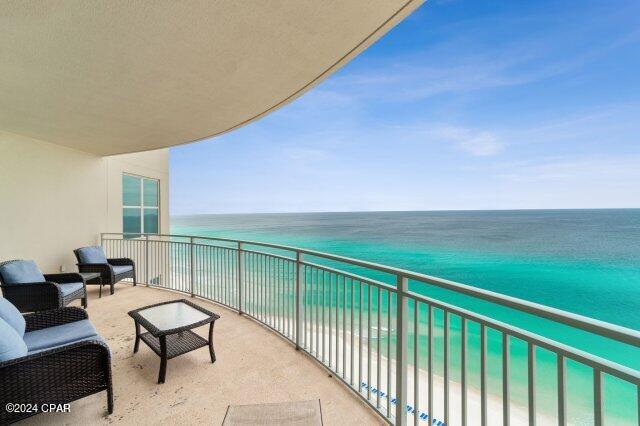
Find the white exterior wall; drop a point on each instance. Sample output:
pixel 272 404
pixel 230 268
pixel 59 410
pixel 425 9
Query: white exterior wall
pixel 54 199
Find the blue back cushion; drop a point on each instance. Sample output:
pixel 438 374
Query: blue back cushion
pixel 12 316
pixel 11 344
pixel 21 271
pixel 93 254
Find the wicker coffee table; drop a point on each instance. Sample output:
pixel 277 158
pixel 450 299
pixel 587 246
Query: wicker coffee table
pixel 169 326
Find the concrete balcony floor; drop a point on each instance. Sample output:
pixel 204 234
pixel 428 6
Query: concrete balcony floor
pixel 253 365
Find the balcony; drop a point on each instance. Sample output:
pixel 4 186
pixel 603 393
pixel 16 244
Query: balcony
pixel 253 366
pixel 414 348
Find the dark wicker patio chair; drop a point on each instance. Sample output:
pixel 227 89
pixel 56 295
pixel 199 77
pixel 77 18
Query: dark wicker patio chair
pixel 37 368
pixel 93 259
pixel 24 285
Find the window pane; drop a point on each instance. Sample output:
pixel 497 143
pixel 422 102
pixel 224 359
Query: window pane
pixel 151 221
pixel 131 220
pixel 150 193
pixel 130 190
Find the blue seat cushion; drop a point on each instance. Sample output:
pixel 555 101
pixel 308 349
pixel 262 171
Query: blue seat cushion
pixel 59 335
pixel 93 338
pixel 20 272
pixel 68 288
pixel 12 316
pixel 122 269
pixel 11 344
pixel 94 254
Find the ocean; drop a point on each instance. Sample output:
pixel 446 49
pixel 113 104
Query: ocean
pixel 582 261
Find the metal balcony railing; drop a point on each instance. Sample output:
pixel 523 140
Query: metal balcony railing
pixel 412 356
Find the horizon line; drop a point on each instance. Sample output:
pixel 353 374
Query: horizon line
pixel 407 211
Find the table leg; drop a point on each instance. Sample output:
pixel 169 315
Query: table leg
pixel 211 351
pixel 100 285
pixel 136 345
pixel 163 359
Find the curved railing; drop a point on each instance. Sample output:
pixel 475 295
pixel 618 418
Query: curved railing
pixel 414 347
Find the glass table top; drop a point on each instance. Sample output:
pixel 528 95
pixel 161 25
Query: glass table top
pixel 172 315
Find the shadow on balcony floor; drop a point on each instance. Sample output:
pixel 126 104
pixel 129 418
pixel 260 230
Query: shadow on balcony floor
pixel 253 366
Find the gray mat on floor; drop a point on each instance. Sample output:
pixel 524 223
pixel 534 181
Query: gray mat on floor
pixel 299 413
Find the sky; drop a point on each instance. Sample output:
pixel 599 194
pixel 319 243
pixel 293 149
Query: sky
pixel 464 105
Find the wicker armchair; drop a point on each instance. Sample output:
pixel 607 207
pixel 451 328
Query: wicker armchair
pixel 24 285
pixel 93 259
pixel 58 374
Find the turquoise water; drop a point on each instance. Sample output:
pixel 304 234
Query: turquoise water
pixel 582 261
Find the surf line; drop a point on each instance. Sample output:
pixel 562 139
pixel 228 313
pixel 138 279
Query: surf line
pixel 421 415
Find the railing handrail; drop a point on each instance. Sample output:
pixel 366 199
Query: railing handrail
pixel 268 286
pixel 602 328
pixel 615 369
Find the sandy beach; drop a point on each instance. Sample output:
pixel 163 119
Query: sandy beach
pixel 518 413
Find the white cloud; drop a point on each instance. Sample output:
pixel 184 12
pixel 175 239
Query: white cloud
pixel 482 144
pixel 584 171
pixel 428 73
pixel 305 154
pixel 477 143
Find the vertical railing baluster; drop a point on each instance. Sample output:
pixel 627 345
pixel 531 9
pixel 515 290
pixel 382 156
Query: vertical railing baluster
pixel 192 267
pixel 463 371
pixel 305 305
pixel 597 397
pixel 224 252
pixel 416 362
pixel 278 294
pixel 240 282
pixel 378 361
pixel 337 342
pixel 330 320
pixel 344 327
pixel 323 320
pixel 260 279
pixel 370 382
pixel 360 355
pixel 483 374
pixel 232 277
pixel 506 399
pixel 269 284
pixel 446 366
pixel 146 259
pixel 310 307
pixel 251 263
pixel 402 286
pixel 251 280
pixel 638 402
pixel 316 294
pixel 531 385
pixel 389 303
pixel 220 278
pixel 351 366
pixel 262 265
pixel 211 277
pixel 269 272
pixel 562 383
pixel 297 296
pixel 430 364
